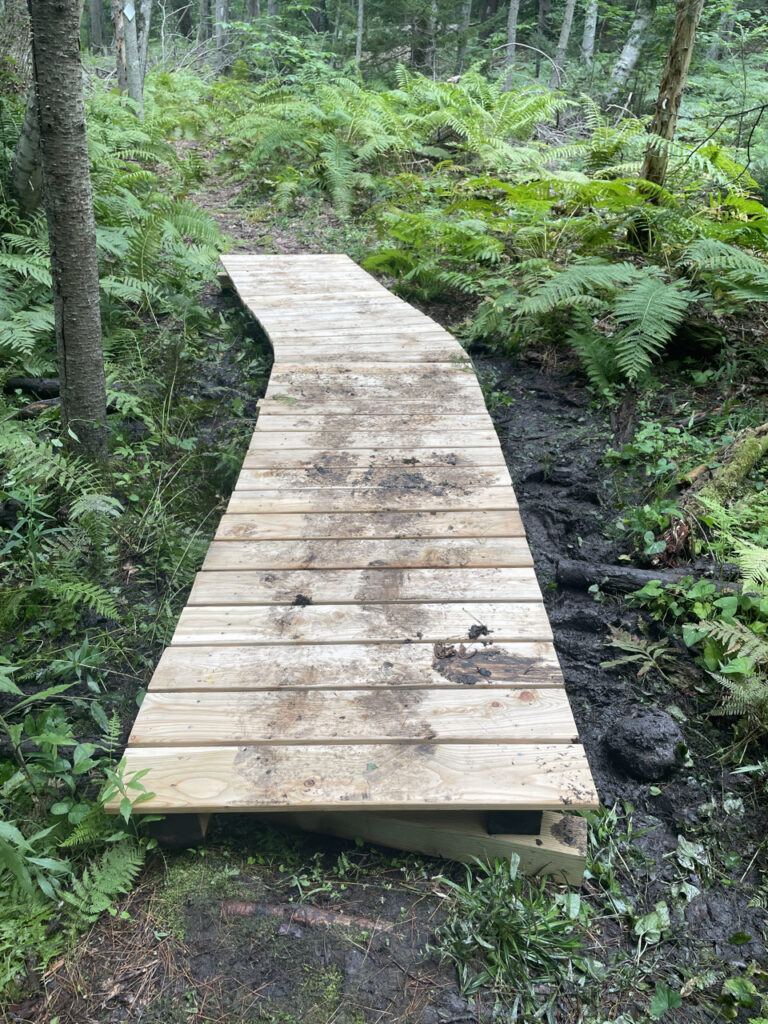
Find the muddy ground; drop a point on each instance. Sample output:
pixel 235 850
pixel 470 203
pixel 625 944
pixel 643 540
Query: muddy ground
pixel 259 925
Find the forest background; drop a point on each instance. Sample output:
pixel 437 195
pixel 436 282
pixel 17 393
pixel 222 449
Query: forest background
pixel 514 170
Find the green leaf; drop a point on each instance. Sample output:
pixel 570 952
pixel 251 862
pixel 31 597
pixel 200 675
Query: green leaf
pixel 664 998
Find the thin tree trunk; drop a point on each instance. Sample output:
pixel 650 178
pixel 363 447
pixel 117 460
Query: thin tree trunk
pixel 132 59
pixel 466 20
pixel 562 45
pixel 630 54
pixel 220 30
pixel 590 29
pixel 96 10
pixel 146 18
pixel 15 52
pixel 432 39
pixel 26 166
pixel 204 28
pixel 673 81
pixel 359 38
pixel 119 30
pixel 509 54
pixel 71 228
pixel 542 23
pixel 723 32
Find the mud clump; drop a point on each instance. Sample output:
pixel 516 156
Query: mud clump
pixel 301 600
pixel 645 744
pixel 475 632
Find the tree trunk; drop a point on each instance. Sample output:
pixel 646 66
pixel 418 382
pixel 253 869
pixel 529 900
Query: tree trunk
pixel 542 22
pixel 221 17
pixel 146 19
pixel 318 17
pixel 204 28
pixel 723 32
pixel 466 19
pixel 26 166
pixel 15 52
pixel 71 228
pixel 673 81
pixel 119 30
pixel 272 8
pixel 96 9
pixel 630 54
pixel 562 45
pixel 509 55
pixel 132 59
pixel 359 37
pixel 590 30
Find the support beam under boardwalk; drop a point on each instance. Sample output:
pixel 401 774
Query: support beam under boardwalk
pixel 365 652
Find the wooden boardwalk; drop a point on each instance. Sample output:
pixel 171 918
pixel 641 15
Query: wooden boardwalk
pixel 366 648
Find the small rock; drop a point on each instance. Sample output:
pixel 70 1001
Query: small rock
pixel 645 744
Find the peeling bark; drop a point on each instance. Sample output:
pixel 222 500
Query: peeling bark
pixel 630 54
pixel 590 31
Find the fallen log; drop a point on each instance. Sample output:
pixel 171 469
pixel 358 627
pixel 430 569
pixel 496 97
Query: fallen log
pixel 29 412
pixel 623 579
pixel 41 387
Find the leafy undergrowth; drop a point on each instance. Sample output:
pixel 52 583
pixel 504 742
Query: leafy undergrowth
pixel 449 191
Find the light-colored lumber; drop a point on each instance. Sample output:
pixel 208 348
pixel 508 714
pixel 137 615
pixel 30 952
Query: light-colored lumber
pixel 338 666
pixel 353 524
pixel 459 552
pixel 459 405
pixel 400 479
pixel 374 458
pixel 396 421
pixel 354 716
pixel 363 586
pixel 324 623
pixel 560 850
pixel 425 776
pixel 352 437
pixel 332 499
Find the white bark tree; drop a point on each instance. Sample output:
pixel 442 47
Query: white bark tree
pixel 630 53
pixel 562 45
pixel 590 31
pixel 359 38
pixel 132 57
pixel 146 18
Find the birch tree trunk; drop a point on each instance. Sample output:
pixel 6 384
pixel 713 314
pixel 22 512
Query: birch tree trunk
pixel 590 30
pixel 562 45
pixel 71 229
pixel 673 82
pixel 182 10
pixel 359 37
pixel 132 59
pixel 630 54
pixel 119 30
pixel 466 19
pixel 509 53
pixel 146 18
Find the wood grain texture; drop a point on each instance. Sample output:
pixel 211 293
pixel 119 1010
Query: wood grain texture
pixel 339 666
pixel 354 716
pixel 354 586
pixel 435 479
pixel 374 458
pixel 387 776
pixel 353 524
pixel 353 437
pixel 448 552
pixel 330 623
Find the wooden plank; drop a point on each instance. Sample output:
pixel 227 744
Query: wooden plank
pixel 356 355
pixel 457 553
pixel 436 479
pixel 369 381
pixel 354 524
pixel 344 623
pixel 340 666
pixel 318 420
pixel 458 405
pixel 374 458
pixel 353 437
pixel 560 850
pixel 324 717
pixel 423 776
pixel 365 586
pixel 362 499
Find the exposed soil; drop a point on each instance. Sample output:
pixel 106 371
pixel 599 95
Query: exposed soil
pixel 213 935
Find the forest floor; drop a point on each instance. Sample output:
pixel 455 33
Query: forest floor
pixel 258 925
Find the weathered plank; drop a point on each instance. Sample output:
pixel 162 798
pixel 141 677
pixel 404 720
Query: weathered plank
pixel 352 437
pixel 344 623
pixel 435 479
pixel 353 524
pixel 407 422
pixel 354 716
pixel 374 458
pixel 426 776
pixel 365 499
pixel 363 586
pixel 339 666
pixel 491 552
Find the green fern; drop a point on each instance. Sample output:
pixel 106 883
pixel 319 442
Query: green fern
pixel 650 311
pixel 104 880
